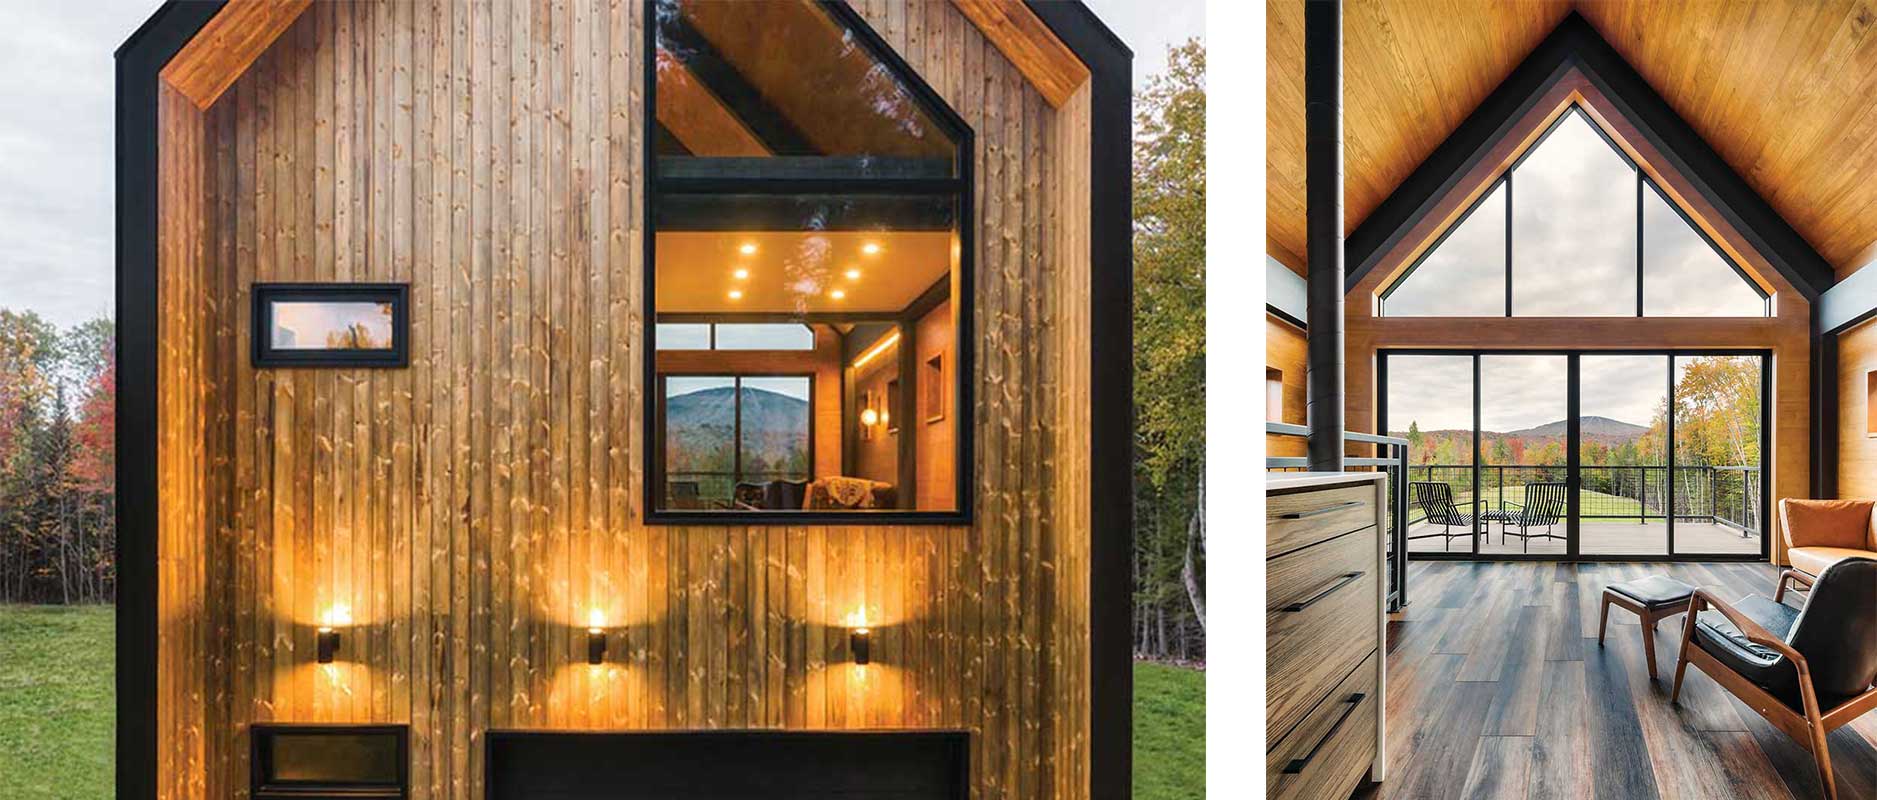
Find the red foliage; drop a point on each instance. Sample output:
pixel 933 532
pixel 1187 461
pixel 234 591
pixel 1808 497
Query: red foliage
pixel 94 465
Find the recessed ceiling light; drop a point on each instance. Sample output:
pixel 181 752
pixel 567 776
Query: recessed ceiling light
pixel 837 294
pixel 870 248
pixel 748 249
pixel 853 274
pixel 736 294
pixel 741 274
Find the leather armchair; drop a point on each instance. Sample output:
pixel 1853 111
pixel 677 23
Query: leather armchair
pixel 1808 671
pixel 1820 533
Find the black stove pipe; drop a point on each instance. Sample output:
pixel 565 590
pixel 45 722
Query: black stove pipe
pixel 1323 155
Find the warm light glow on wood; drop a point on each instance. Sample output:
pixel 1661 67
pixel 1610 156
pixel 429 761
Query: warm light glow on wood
pixel 889 341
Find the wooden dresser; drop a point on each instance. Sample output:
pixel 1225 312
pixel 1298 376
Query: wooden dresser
pixel 1326 570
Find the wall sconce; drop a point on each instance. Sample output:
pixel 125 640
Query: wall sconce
pixel 869 417
pixel 596 638
pixel 860 637
pixel 326 638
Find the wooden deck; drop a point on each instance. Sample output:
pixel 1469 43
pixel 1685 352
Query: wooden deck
pixel 1613 537
pixel 1497 689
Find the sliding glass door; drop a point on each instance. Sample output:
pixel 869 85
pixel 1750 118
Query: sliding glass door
pixel 1523 402
pixel 1433 408
pixel 1718 482
pixel 1623 481
pixel 1598 455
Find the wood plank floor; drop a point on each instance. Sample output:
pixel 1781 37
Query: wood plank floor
pixel 1497 689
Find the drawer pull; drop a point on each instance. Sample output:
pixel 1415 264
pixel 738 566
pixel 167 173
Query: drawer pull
pixel 1298 764
pixel 1339 583
pixel 1315 511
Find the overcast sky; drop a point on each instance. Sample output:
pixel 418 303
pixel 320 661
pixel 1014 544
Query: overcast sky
pixel 56 212
pixel 1522 391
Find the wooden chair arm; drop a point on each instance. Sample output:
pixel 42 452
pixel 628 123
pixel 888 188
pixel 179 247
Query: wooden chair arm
pixel 1747 627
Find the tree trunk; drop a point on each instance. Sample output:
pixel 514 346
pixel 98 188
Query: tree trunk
pixel 1196 546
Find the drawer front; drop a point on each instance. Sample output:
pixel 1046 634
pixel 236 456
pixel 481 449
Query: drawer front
pixel 1300 519
pixel 1335 745
pixel 1319 623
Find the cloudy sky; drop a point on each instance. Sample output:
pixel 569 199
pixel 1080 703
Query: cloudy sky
pixel 1574 246
pixel 1522 391
pixel 56 212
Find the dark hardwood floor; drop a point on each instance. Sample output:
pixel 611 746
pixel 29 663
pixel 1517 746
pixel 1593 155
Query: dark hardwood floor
pixel 1497 689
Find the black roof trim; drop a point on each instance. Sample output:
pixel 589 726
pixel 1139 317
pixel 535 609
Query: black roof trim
pixel 1574 43
pixel 140 60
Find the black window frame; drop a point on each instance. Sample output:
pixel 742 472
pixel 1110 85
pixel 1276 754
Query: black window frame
pixel 1641 268
pixel 1574 444
pixel 263 355
pixel 960 186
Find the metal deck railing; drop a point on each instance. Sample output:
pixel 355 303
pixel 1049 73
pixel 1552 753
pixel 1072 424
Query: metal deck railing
pixel 1394 461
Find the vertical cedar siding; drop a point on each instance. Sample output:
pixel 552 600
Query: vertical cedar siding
pixel 470 509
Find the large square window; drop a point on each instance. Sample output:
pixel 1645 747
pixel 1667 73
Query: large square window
pixel 810 260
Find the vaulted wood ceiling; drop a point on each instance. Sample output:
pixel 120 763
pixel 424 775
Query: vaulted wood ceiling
pixel 1776 88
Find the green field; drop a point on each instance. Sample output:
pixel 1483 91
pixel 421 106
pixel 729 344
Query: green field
pixel 56 702
pixel 1169 732
pixel 56 712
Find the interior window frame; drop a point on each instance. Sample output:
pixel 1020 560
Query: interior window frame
pixel 736 378
pixel 1505 180
pixel 959 186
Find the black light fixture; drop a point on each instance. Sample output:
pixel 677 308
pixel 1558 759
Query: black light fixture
pixel 596 639
pixel 860 640
pixel 326 640
pixel 327 643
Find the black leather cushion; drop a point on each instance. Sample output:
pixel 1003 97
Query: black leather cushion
pixel 1762 666
pixel 1655 591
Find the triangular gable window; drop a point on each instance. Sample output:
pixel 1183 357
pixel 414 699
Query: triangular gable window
pixel 1684 275
pixel 786 90
pixel 1464 274
pixel 1577 209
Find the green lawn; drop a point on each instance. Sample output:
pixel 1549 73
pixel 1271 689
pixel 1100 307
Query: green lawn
pixel 56 712
pixel 1169 732
pixel 56 706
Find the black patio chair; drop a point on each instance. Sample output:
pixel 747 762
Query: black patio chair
pixel 1436 499
pixel 1544 505
pixel 1807 670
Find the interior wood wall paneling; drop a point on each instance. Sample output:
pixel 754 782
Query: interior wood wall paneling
pixel 471 508
pixel 1285 348
pixel 1857 450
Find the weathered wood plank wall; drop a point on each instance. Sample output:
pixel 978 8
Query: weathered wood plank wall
pixel 472 510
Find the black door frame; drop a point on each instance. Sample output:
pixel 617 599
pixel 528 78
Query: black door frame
pixel 1573 465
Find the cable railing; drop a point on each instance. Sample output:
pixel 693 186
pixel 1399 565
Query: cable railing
pixel 1724 495
pixel 1392 459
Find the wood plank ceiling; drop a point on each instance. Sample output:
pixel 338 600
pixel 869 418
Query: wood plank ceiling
pixel 1773 87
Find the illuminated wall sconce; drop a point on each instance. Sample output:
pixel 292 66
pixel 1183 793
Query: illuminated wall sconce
pixel 596 638
pixel 869 417
pixel 326 639
pixel 860 640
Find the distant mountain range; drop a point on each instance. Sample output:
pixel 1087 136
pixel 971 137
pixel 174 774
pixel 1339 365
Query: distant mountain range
pixel 1594 428
pixel 702 424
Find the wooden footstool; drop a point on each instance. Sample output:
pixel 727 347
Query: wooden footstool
pixel 1652 599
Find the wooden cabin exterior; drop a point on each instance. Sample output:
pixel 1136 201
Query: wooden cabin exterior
pixel 462 520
